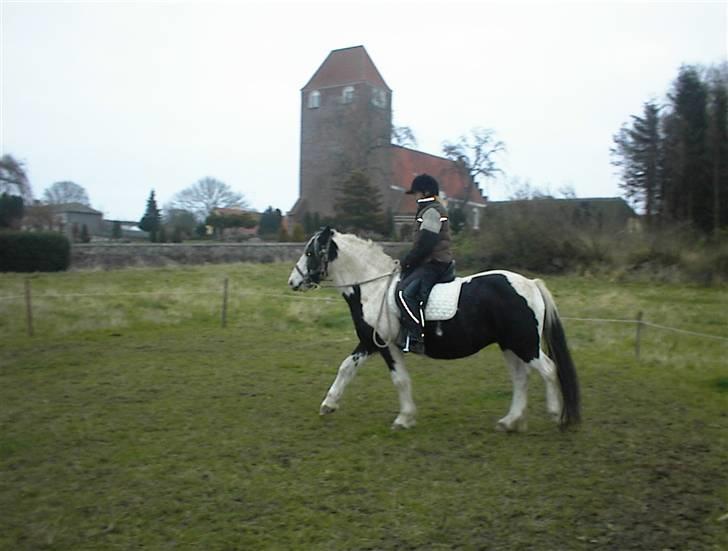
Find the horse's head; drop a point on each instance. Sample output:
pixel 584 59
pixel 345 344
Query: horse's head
pixel 313 266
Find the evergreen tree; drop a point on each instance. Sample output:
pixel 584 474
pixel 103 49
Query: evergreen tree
pixel 357 206
pixel 718 146
pixel 11 210
pixel 152 218
pixel 637 154
pixel 674 160
pixel 691 191
pixel 270 222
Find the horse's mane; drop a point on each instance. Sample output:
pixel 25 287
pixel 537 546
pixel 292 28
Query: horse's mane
pixel 366 248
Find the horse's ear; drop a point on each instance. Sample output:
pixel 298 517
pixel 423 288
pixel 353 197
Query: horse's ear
pixel 325 234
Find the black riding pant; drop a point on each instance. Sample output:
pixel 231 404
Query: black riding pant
pixel 412 293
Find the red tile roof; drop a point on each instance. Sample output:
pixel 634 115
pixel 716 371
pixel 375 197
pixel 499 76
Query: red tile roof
pixel 346 66
pixel 408 163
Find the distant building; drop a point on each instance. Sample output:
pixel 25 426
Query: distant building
pixel 346 124
pixel 69 218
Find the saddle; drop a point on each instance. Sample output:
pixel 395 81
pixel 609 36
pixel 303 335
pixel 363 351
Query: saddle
pixel 442 303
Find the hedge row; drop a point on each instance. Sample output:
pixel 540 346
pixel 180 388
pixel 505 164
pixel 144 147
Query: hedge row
pixel 34 252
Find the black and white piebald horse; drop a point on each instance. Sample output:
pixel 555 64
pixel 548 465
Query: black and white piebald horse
pixel 462 317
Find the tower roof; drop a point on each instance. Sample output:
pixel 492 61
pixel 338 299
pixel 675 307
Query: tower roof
pixel 346 66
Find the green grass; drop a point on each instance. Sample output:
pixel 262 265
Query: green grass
pixel 136 421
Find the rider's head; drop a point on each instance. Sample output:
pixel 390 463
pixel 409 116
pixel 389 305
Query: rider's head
pixel 425 184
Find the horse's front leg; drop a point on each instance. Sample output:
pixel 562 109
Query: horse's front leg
pixel 401 379
pixel 347 371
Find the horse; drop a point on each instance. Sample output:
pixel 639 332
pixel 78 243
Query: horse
pixel 517 313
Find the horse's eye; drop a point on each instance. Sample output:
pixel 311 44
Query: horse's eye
pixel 308 254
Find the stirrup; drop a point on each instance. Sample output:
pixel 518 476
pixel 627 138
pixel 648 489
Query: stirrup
pixel 406 347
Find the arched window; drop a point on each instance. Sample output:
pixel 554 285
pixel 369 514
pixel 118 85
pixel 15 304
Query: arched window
pixel 347 95
pixel 314 99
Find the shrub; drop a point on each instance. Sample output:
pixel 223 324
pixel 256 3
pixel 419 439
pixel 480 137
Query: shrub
pixel 538 241
pixel 34 252
pixel 529 239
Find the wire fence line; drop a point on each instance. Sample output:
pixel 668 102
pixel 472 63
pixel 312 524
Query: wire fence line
pixel 29 298
pixel 649 324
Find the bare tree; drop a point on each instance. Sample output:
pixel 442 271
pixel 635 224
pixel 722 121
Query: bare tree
pixel 473 157
pixel 403 136
pixel 205 196
pixel 475 154
pixel 66 192
pixel 13 179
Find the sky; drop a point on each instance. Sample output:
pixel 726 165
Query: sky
pixel 125 97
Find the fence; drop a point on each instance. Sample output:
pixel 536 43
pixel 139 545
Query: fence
pixel 224 295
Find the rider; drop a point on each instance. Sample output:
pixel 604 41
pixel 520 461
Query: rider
pixel 426 263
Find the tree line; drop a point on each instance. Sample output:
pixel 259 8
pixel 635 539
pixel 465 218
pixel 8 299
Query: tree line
pixel 673 156
pixel 189 214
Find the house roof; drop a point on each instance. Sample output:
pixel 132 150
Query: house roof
pixel 408 163
pixel 78 208
pixel 346 66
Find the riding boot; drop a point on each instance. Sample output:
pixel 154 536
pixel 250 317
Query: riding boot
pixel 412 336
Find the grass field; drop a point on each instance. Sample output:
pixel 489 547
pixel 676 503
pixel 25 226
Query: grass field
pixel 133 420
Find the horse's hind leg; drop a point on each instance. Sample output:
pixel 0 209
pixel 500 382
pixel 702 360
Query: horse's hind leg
pixel 515 420
pixel 546 367
pixel 347 371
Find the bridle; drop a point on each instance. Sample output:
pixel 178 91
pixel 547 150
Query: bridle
pixel 315 274
pixel 320 255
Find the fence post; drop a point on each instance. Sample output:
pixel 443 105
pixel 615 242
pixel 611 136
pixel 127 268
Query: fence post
pixel 638 335
pixel 28 308
pixel 224 302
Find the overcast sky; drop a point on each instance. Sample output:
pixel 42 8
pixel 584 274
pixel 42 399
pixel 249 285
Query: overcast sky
pixel 123 97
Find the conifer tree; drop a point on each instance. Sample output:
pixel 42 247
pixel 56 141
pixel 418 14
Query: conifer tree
pixel 357 206
pixel 152 218
pixel 718 146
pixel 690 185
pixel 637 154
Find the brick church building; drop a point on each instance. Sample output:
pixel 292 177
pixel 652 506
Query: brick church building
pixel 346 124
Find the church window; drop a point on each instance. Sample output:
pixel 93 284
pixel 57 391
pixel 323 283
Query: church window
pixel 379 97
pixel 347 95
pixel 314 99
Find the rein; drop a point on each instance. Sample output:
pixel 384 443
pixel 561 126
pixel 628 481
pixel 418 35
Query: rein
pixel 377 278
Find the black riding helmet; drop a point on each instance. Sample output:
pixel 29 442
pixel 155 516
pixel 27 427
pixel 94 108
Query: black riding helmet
pixel 424 183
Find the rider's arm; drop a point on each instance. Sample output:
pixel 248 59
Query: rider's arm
pixel 426 238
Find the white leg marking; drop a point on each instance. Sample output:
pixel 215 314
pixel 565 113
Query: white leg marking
pixel 546 367
pixel 347 371
pixel 402 382
pixel 515 420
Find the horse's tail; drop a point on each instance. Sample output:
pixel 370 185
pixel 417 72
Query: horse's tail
pixel 558 350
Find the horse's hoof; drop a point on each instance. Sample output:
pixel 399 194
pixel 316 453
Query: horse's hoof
pixel 400 424
pixel 326 410
pixel 518 426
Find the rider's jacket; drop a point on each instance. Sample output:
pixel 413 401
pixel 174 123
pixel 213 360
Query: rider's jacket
pixel 432 234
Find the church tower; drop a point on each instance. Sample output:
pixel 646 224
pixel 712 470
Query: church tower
pixel 346 125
